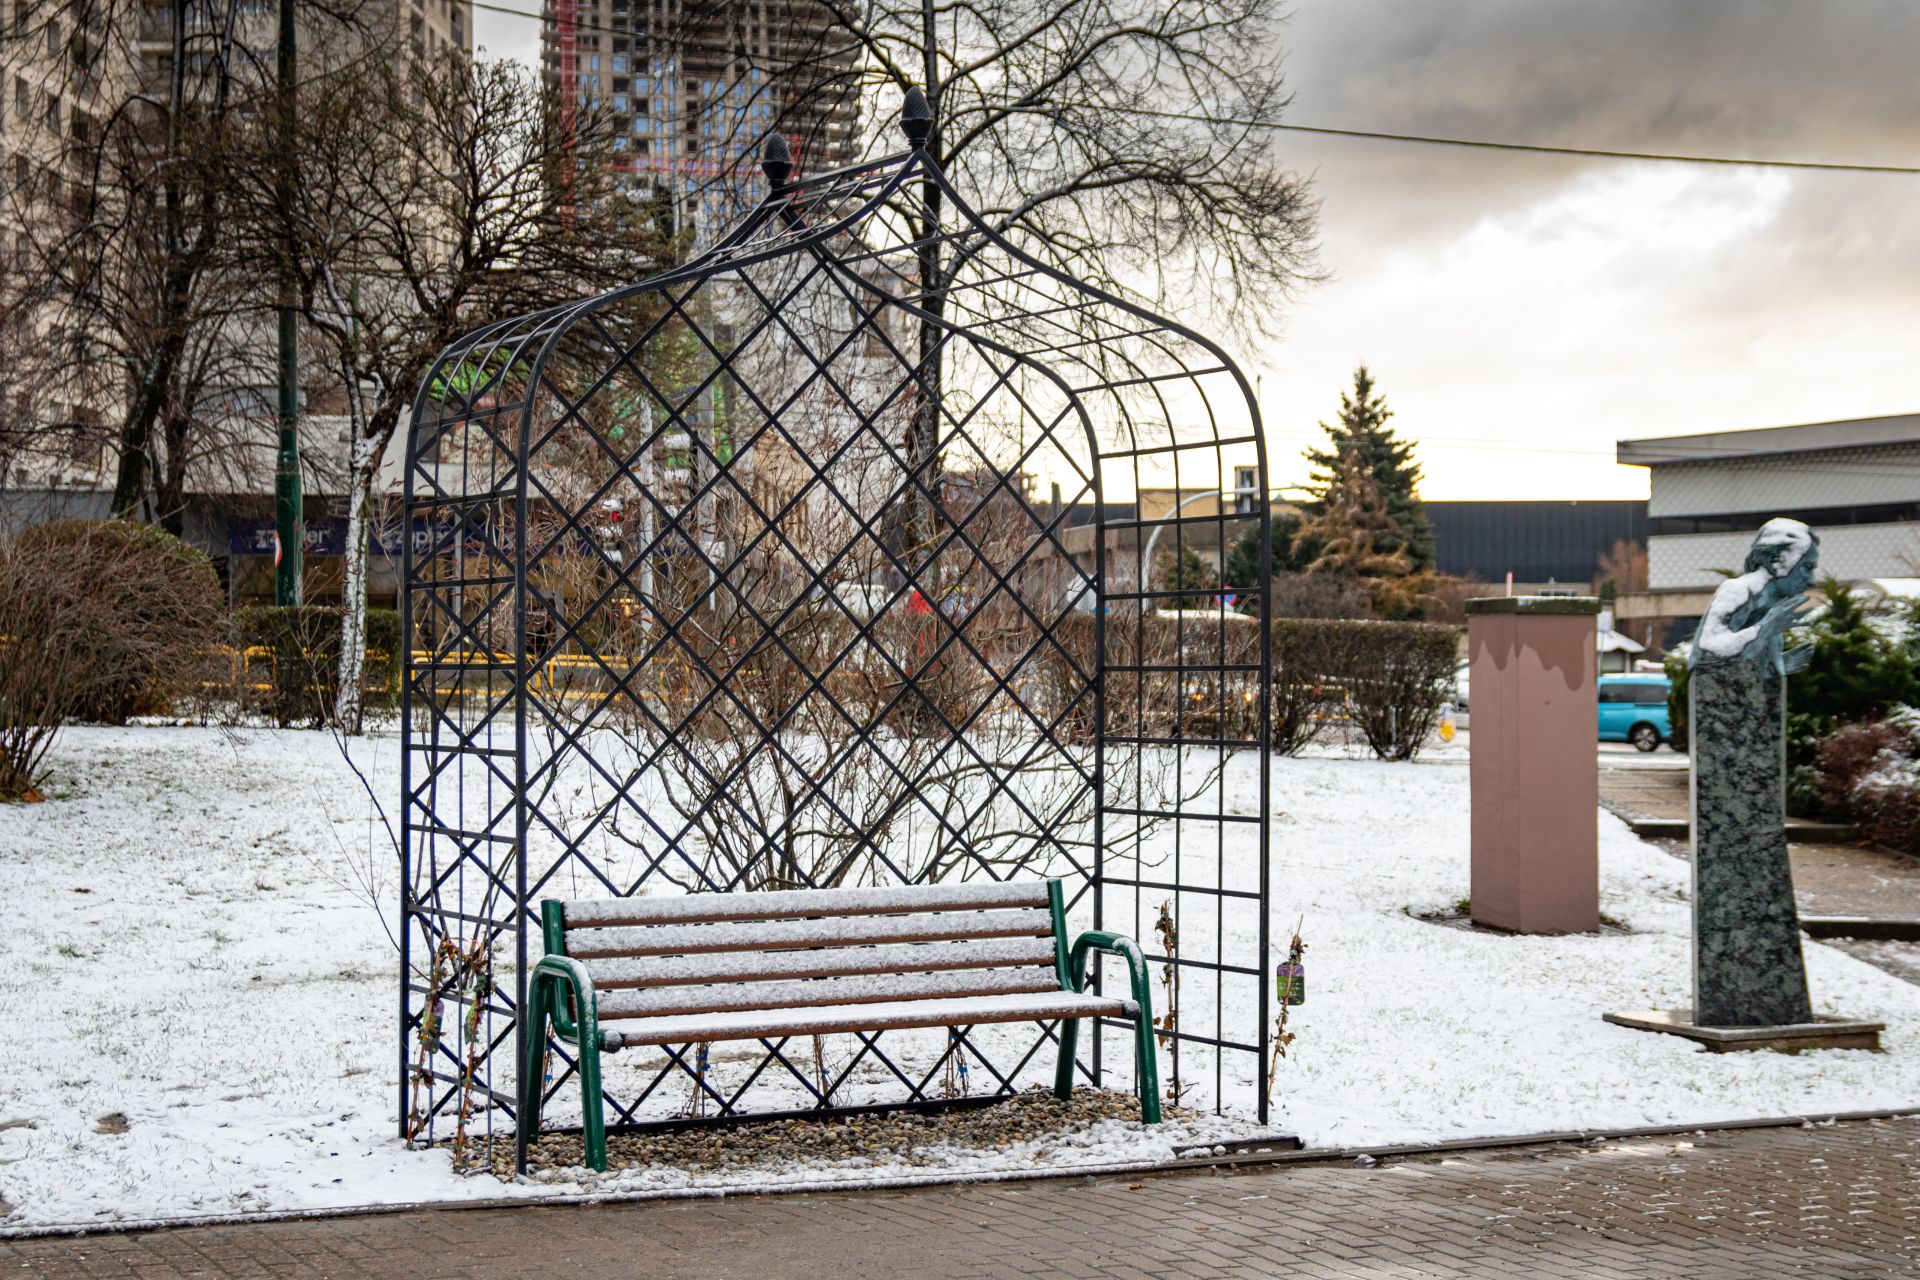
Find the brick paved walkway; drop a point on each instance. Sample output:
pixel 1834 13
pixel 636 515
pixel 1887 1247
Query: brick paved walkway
pixel 1836 1202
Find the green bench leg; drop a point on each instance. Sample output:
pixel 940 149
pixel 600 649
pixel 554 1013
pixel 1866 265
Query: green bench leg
pixel 1147 1068
pixel 591 1118
pixel 1069 1044
pixel 532 1081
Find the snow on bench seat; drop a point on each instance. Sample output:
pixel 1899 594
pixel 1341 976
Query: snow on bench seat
pixel 787 903
pixel 667 971
pixel 588 943
pixel 758 1024
pixel 865 988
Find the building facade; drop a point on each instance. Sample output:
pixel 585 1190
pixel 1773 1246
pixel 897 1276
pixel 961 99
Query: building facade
pixel 68 68
pixel 1542 545
pixel 1857 482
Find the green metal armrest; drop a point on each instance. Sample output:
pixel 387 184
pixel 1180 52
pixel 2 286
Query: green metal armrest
pixel 578 983
pixel 554 980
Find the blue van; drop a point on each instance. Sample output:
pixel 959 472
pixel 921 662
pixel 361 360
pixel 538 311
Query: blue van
pixel 1634 709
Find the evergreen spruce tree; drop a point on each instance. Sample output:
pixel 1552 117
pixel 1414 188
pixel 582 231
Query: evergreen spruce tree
pixel 1856 671
pixel 1358 538
pixel 1362 431
pixel 1187 570
pixel 1291 553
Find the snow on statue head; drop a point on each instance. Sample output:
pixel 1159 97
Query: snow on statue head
pixel 1750 613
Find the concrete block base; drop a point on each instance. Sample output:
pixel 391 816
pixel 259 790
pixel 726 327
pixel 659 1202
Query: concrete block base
pixel 1824 1032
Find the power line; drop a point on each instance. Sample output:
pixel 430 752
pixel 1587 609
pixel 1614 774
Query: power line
pixel 1748 162
pixel 1540 148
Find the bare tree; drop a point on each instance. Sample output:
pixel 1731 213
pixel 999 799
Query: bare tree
pixel 424 204
pixel 1125 141
pixel 120 209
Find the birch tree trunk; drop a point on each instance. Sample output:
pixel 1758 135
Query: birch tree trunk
pixel 350 701
pixel 368 444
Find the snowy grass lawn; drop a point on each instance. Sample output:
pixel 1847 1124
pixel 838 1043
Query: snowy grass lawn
pixel 200 1016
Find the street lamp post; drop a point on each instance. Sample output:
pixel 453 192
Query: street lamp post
pixel 289 515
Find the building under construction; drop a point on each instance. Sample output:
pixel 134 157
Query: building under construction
pixel 691 89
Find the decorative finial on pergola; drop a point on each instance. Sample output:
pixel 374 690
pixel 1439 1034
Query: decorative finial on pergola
pixel 916 117
pixel 776 160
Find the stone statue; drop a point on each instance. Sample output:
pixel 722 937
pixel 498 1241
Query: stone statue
pixel 1747 966
pixel 1751 613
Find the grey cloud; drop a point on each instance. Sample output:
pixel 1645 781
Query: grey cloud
pixel 1723 77
pixel 1659 74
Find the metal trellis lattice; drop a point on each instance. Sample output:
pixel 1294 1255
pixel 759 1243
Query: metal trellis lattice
pixel 742 578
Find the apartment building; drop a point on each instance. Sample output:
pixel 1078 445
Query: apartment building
pixel 66 70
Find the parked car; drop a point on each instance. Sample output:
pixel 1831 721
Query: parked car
pixel 1633 708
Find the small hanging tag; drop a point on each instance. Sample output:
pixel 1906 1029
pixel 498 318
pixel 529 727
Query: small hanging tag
pixel 1290 982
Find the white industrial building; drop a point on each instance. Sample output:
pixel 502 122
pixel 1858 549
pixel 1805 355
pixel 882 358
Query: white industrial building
pixel 1857 482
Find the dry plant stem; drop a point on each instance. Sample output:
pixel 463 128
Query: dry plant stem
pixel 1169 1022
pixel 1281 1036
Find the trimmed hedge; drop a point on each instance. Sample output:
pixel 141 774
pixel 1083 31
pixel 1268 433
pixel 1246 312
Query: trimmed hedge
pixel 1388 680
pixel 1397 676
pixel 303 644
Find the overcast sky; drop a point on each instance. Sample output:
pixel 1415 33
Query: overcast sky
pixel 1522 312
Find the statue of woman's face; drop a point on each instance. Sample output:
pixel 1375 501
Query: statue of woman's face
pixel 1780 546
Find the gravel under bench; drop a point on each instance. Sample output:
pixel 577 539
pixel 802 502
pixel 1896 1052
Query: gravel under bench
pixel 902 1139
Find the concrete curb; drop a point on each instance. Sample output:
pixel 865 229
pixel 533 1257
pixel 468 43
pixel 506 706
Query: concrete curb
pixel 1217 1164
pixel 1864 928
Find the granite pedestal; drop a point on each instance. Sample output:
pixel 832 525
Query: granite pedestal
pixel 1747 967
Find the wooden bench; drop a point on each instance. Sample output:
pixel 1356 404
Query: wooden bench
pixel 627 972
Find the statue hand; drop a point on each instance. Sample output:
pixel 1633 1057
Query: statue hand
pixel 1796 659
pixel 1781 617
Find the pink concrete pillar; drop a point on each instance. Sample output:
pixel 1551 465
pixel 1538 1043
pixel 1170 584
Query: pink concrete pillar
pixel 1533 730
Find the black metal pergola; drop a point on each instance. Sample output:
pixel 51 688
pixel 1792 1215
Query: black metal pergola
pixel 838 556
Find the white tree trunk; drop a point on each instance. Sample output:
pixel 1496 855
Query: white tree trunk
pixel 645 548
pixel 349 705
pixel 363 464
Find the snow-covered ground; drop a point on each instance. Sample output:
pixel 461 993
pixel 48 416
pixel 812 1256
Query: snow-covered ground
pixel 200 1013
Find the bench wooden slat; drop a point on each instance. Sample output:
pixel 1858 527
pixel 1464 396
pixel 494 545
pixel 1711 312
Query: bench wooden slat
pixel 807 993
pixel 778 935
pixel 788 903
pixel 906 957
pixel 772 1023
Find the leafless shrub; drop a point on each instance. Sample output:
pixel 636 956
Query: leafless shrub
pixel 101 620
pixel 1398 682
pixel 1308 665
pixel 1868 773
pixel 1320 595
